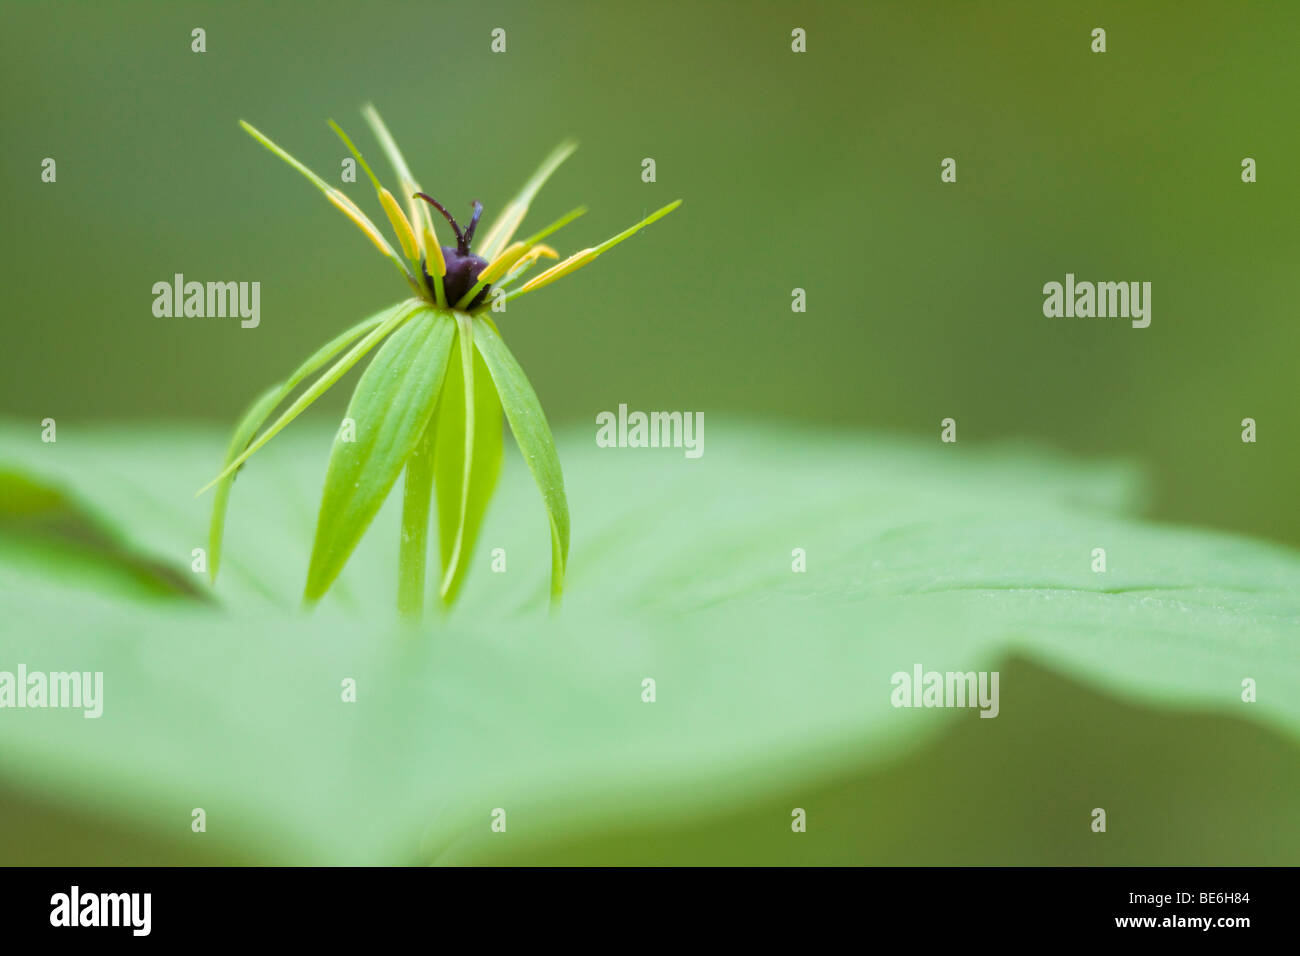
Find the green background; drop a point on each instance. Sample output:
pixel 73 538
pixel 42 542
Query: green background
pixel 818 171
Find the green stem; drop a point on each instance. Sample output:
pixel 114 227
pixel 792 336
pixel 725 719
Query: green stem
pixel 417 496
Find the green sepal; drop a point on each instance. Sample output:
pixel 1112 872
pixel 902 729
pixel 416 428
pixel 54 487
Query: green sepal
pixel 391 406
pixel 467 460
pixel 256 417
pixel 392 318
pixel 417 499
pixel 533 436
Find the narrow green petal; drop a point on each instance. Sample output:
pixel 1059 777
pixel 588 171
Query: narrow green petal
pixel 395 317
pixel 420 215
pixel 257 415
pixel 405 229
pixel 356 154
pixel 533 436
pixel 556 226
pixel 504 226
pixel 389 145
pixel 253 419
pixel 468 458
pixel 585 256
pixel 266 141
pixel 391 407
pixel 337 199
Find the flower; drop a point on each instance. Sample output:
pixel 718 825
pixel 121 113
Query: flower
pixel 431 401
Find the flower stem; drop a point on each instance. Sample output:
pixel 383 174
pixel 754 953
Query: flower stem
pixel 417 495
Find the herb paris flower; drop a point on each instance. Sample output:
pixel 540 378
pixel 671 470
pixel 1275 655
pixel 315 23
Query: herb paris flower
pixel 431 401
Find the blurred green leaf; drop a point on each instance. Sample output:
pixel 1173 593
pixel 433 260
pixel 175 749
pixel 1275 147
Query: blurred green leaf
pixel 1120 689
pixel 49 532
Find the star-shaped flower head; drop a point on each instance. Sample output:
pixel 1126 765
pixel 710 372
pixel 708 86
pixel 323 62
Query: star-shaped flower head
pixel 431 401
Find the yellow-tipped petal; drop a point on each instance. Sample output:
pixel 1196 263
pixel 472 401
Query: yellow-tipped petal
pixel 338 130
pixel 560 270
pixel 506 263
pixel 418 224
pixel 422 217
pixel 405 235
pixel 580 259
pixel 492 271
pixel 498 266
pixel 435 264
pixel 417 212
pixel 401 224
pixel 341 201
pixel 266 141
pixel 349 209
pixel 633 230
pixel 435 253
pixel 390 148
pixel 526 262
pixel 503 228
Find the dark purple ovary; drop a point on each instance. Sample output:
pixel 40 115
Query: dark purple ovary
pixel 463 267
pixel 462 273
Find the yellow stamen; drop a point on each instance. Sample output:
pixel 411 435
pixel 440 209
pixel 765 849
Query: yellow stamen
pixel 492 271
pixel 420 217
pixel 416 217
pixel 532 255
pixel 503 229
pixel 517 257
pixel 333 195
pixel 349 209
pixel 435 253
pixel 526 262
pixel 498 266
pixel 401 225
pixel 580 259
pixel 559 271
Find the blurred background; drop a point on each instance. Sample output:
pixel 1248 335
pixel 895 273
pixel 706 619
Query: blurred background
pixel 816 170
